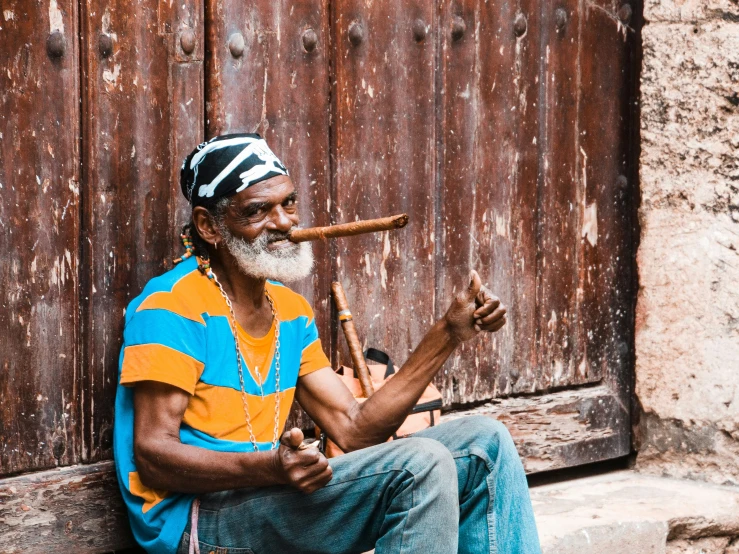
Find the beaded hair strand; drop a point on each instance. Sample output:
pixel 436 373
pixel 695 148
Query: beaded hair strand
pixel 203 260
pixel 187 242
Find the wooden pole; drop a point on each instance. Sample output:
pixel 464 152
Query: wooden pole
pixel 348 229
pixel 350 333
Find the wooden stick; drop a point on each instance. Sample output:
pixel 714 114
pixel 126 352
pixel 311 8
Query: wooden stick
pixel 348 229
pixel 350 333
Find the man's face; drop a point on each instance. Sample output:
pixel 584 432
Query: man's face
pixel 268 207
pixel 255 229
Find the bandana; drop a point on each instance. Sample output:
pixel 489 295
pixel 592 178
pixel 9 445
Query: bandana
pixel 226 165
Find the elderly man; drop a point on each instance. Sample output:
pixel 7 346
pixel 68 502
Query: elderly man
pixel 214 352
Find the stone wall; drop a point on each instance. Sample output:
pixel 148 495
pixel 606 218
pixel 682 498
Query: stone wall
pixel 687 331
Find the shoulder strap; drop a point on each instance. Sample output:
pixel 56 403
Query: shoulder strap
pixel 375 355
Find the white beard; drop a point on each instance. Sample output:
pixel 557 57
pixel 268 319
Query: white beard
pixel 256 260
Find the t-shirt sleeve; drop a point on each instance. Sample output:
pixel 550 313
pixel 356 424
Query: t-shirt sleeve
pixel 313 357
pixel 159 345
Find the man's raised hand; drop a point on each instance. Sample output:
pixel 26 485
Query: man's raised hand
pixel 306 470
pixel 473 310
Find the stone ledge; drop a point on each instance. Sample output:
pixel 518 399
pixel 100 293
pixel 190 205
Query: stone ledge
pixel 629 513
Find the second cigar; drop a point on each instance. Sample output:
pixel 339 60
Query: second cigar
pixel 348 229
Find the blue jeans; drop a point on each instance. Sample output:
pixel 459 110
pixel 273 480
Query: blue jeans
pixel 456 487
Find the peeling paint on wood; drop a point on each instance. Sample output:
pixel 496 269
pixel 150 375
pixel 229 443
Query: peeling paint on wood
pixel 534 134
pixel 75 509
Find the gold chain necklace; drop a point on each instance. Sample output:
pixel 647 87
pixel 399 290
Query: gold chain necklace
pixel 239 357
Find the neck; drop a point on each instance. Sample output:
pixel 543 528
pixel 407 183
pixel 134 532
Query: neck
pixel 244 290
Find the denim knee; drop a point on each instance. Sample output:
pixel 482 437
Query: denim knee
pixel 423 455
pixel 489 435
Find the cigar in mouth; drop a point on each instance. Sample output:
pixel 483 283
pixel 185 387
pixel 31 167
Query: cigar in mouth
pixel 349 229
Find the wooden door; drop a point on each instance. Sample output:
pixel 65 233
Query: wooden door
pixel 501 128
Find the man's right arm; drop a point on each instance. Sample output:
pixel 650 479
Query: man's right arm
pixel 164 463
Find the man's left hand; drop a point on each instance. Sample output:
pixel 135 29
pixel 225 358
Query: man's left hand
pixel 475 309
pixel 491 314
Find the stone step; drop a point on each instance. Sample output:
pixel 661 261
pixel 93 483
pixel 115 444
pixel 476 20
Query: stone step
pixel 625 512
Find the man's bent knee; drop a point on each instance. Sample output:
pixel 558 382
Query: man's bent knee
pixel 425 455
pixel 486 426
pixel 485 433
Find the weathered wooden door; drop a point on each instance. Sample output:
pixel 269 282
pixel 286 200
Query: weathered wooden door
pixel 503 128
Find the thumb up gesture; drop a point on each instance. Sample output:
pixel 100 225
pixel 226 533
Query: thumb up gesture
pixel 473 310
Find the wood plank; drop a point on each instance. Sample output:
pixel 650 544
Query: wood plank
pixel 488 188
pixel 182 23
pixel 562 351
pixel 79 509
pixel 383 145
pixel 459 101
pixel 143 112
pixel 608 173
pixel 278 86
pixel 284 60
pixel 39 233
pixel 75 509
pixel 562 429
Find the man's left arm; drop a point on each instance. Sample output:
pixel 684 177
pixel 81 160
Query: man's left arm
pixel 352 425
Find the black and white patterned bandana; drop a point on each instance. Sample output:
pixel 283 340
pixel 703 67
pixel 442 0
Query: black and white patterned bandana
pixel 226 165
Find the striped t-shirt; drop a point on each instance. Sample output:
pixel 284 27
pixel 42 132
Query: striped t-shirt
pixel 177 332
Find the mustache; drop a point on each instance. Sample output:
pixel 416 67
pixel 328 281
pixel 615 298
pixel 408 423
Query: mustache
pixel 267 236
pixel 274 236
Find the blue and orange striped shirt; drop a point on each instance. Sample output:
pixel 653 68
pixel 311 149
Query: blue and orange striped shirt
pixel 177 332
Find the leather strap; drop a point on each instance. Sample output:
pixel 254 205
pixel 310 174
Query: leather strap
pixel 381 358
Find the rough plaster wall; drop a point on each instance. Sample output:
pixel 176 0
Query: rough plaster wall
pixel 709 545
pixel 687 336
